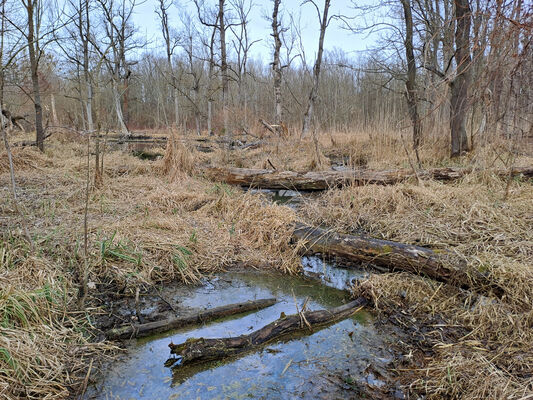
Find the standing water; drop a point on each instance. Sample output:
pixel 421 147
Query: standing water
pixel 330 363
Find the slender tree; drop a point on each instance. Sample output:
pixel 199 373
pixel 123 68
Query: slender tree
pixel 324 22
pixel 276 63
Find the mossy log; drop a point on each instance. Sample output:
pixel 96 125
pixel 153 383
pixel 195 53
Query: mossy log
pixel 322 180
pixel 200 349
pixel 197 317
pixel 438 265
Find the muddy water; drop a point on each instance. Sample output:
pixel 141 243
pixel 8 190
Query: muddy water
pixel 330 363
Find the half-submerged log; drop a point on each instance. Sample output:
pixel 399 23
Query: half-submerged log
pixel 322 180
pixel 395 256
pixel 140 330
pixel 197 350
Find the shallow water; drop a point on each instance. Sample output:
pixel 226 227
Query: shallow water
pixel 297 367
pixel 332 275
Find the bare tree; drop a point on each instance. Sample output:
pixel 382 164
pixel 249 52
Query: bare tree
pixel 223 66
pixel 276 63
pixel 120 36
pixel 242 44
pixel 324 22
pixel 460 84
pixel 34 14
pixel 195 67
pixel 410 83
pixel 210 21
pixel 170 45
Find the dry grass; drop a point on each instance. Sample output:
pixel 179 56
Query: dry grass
pixel 150 222
pixel 154 222
pixel 475 347
pixel 370 149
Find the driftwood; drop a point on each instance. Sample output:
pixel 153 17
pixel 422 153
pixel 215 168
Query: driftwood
pixel 197 350
pixel 268 126
pixel 395 256
pixel 140 330
pixel 321 180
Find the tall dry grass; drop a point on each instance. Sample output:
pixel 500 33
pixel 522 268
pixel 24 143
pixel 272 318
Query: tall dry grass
pixel 473 347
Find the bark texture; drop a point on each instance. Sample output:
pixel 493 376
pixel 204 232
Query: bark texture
pixel 323 180
pixel 198 350
pixel 459 86
pixel 441 266
pixel 140 330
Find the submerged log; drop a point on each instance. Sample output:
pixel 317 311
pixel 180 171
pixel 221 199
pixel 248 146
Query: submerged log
pixel 196 350
pixel 322 180
pixel 395 256
pixel 140 330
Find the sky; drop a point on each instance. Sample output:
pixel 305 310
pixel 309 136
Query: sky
pixel 148 25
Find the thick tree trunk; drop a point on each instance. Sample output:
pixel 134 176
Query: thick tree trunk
pixel 316 72
pixel 140 330
pixel 461 83
pixel 33 50
pixel 323 180
pixel 198 350
pixel 410 84
pixel 441 266
pixel 118 110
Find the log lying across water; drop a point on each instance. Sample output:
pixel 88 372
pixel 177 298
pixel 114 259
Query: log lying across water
pixel 140 330
pixel 197 350
pixel 321 180
pixel 438 265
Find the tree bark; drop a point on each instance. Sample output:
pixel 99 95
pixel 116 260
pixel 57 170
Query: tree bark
pixel 224 67
pixel 323 180
pixel 460 85
pixel 440 266
pixel 276 64
pixel 198 350
pixel 316 71
pixel 33 52
pixel 410 84
pixel 140 330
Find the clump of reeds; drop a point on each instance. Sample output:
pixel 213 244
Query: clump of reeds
pixel 178 159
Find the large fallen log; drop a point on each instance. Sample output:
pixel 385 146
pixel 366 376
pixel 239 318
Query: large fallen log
pixel 438 265
pixel 140 330
pixel 321 180
pixel 200 349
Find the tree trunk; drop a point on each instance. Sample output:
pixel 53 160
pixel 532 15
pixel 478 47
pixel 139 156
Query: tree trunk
pixel 224 67
pixel 118 110
pixel 199 350
pixel 441 266
pixel 316 72
pixel 276 64
pixel 461 82
pixel 410 84
pixel 53 107
pixel 140 330
pixel 33 52
pixel 323 180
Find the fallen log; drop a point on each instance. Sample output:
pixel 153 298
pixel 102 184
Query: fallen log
pixel 322 180
pixel 395 256
pixel 200 349
pixel 140 330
